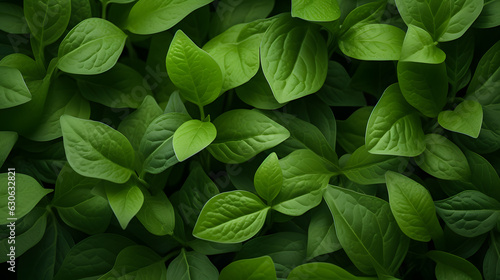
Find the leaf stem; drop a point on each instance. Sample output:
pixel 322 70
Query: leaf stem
pixel 104 8
pixel 202 112
pixel 171 255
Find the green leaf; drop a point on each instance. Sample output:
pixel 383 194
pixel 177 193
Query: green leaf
pixel 92 257
pixel 237 52
pixel 26 192
pixel 13 89
pixel 320 271
pixel 459 54
pixel 257 93
pixel 491 263
pixel 120 87
pixel 148 17
pixel 7 141
pixel 255 133
pixel 483 176
pixel 137 262
pixel 25 64
pixel 80 10
pixel 157 214
pixel 156 146
pixel 316 10
pixel 365 168
pixel 372 42
pixel 91 47
pixel 305 177
pixel 77 205
pixel 125 200
pixel 12 19
pixel 261 268
pixel 294 58
pixel 269 178
pixel 466 118
pixel 443 159
pixel 192 137
pixel 231 217
pixel 369 12
pixel 337 91
pixel 375 245
pixel 413 208
pixel 193 71
pixel 351 132
pixel 321 235
pixel 424 86
pixel 95 150
pixel 489 15
pixel 419 46
pixel 452 267
pixel 47 19
pixel 463 14
pixel 175 104
pixel 192 266
pixel 469 213
pixel 394 126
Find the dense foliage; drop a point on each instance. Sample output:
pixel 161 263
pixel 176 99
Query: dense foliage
pixel 250 139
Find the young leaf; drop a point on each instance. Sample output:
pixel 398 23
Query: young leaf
pixel 412 207
pixel 153 16
pixel 192 266
pixel 269 178
pixel 372 42
pixel 316 10
pixel 449 265
pixel 157 214
pixel 375 245
pixel 7 140
pixel 125 200
pixel 231 217
pixel 91 47
pixel 250 269
pixel 321 235
pixel 467 118
pixel 255 133
pixel 192 137
pixel 13 89
pixel 424 86
pixel 419 46
pixel 96 150
pixel 394 127
pixel 365 168
pixel 27 193
pixel 469 213
pixel 47 19
pixel 443 159
pixel 137 262
pixel 294 58
pixel 320 271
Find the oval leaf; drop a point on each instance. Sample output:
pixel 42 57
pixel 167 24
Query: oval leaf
pixel 192 137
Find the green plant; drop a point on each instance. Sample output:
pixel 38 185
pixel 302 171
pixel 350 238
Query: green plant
pixel 197 139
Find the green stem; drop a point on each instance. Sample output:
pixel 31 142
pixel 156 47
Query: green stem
pixel 104 8
pixel 202 112
pixel 171 255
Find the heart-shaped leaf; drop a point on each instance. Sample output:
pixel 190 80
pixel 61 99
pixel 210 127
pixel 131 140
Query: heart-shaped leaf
pixel 467 118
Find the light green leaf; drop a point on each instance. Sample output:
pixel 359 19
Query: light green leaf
pixel 443 159
pixel 193 71
pixel 125 200
pixel 192 266
pixel 424 86
pixel 320 271
pixel 367 231
pixel 261 268
pixel 305 177
pixel 431 15
pixel 394 126
pixel 369 12
pixel 12 19
pixel 469 213
pixel 26 192
pixel 157 214
pixel 92 257
pixel 153 16
pixel 231 217
pixel 463 14
pixel 47 19
pixel 7 141
pixel 294 58
pixel 413 208
pixel 450 266
pixel 269 178
pixel 419 46
pixel 91 47
pixel 466 118
pixel 137 262
pixel 95 150
pixel 254 133
pixel 372 42
pixel 316 10
pixel 13 89
pixel 321 235
pixel 192 137
pixel 365 168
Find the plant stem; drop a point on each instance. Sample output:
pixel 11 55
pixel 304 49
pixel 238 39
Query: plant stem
pixel 202 112
pixel 104 8
pixel 171 255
